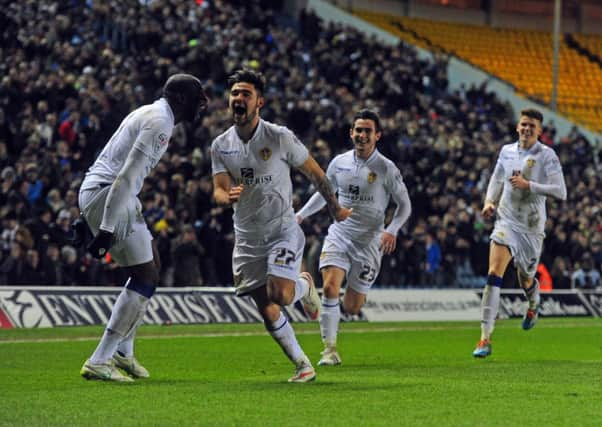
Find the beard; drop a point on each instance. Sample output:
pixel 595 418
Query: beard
pixel 242 116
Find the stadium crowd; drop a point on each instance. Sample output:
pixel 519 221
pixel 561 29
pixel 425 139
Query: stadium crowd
pixel 72 70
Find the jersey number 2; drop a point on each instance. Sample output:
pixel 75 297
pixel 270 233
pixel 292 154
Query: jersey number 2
pixel 284 256
pixel 367 273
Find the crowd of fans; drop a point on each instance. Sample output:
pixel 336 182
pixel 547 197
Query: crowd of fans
pixel 72 70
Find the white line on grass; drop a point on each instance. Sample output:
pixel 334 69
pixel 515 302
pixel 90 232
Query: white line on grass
pixel 300 332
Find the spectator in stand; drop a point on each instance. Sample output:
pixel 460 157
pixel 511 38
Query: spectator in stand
pixel 53 265
pixel 586 276
pixel 433 260
pixel 545 278
pixel 561 275
pixel 60 230
pixel 12 267
pixel 187 258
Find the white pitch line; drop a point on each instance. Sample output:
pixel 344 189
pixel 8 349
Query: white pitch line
pixel 302 332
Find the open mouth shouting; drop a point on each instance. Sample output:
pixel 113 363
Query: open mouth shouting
pixel 239 111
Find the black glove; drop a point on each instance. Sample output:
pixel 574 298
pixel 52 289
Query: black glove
pixel 100 244
pixel 81 234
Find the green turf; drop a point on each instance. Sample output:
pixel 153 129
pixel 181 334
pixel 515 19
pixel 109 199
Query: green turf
pixel 408 374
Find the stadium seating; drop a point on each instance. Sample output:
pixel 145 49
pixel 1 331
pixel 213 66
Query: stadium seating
pixel 520 57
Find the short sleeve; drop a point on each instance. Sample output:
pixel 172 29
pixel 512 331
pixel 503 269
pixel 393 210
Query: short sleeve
pixel 394 179
pixel 552 164
pixel 331 174
pixel 217 162
pixel 294 151
pixel 153 137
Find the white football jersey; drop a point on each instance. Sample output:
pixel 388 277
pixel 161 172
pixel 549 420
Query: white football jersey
pixel 524 209
pixel 262 165
pixel 148 129
pixel 366 186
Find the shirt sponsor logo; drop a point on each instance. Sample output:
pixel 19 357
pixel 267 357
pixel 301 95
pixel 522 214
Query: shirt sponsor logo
pixel 356 196
pixel 247 173
pixel 248 177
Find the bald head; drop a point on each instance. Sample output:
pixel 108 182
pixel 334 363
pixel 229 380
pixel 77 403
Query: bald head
pixel 185 95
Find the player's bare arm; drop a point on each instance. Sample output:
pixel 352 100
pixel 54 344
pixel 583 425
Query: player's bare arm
pixel 223 193
pixel 316 175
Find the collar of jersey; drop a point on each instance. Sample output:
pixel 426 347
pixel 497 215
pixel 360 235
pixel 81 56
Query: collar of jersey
pixel 368 160
pixel 534 149
pixel 168 109
pixel 255 135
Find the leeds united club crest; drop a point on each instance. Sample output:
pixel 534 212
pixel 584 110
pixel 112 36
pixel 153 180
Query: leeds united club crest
pixel 371 177
pixel 265 153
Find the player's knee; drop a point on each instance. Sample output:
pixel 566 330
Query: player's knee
pixel 144 273
pixel 270 314
pixel 146 289
pixel 279 293
pixel 331 289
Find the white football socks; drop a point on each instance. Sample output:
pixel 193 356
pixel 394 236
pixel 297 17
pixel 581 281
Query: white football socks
pixel 106 347
pixel 329 321
pixel 533 294
pixel 282 331
pixel 125 316
pixel 489 308
pixel 126 346
pixel 301 288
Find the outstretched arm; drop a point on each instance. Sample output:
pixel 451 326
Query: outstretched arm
pixel 313 205
pixel 316 175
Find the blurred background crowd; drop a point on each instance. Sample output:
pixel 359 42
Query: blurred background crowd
pixel 72 70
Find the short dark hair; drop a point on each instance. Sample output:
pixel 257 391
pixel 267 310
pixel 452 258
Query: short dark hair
pixel 367 114
pixel 182 84
pixel 247 75
pixel 532 113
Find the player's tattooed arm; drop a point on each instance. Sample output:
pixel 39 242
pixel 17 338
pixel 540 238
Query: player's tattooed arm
pixel 316 175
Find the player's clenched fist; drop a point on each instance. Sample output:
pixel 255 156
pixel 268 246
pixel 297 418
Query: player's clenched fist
pixel 343 213
pixel 488 210
pixel 235 192
pixel 100 244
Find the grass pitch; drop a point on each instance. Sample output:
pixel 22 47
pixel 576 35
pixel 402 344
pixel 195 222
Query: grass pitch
pixel 393 374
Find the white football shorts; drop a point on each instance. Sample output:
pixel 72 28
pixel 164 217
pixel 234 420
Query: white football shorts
pixel 524 247
pixel 133 239
pixel 254 259
pixel 361 264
